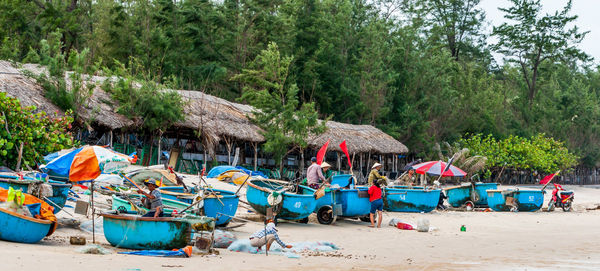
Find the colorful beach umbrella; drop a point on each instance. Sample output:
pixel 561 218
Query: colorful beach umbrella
pixel 436 168
pixel 87 163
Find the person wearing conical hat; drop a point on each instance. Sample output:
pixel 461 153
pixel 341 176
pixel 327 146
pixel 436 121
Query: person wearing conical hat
pixel 374 175
pixel 314 173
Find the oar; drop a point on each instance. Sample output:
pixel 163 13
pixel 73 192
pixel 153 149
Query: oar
pixel 238 190
pixel 132 182
pixel 200 174
pixel 56 205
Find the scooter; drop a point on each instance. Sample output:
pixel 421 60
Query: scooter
pixel 561 198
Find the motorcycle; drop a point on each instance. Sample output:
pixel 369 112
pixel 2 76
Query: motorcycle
pixel 561 198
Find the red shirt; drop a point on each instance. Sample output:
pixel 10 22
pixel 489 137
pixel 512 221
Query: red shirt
pixel 374 193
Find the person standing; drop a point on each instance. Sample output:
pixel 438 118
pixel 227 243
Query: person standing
pixel 267 236
pixel 376 203
pixel 152 200
pixel 314 174
pixel 374 175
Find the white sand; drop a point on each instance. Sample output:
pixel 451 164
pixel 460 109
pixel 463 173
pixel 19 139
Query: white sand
pixel 493 241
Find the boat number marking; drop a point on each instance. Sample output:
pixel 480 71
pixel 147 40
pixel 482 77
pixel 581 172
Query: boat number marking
pixel 402 197
pixel 531 198
pixel 297 205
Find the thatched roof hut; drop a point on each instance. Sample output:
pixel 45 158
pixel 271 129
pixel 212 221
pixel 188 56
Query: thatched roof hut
pixel 98 111
pixel 14 83
pixel 218 118
pixel 215 118
pixel 359 138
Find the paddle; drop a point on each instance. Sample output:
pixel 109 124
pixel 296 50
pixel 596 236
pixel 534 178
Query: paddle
pixel 238 190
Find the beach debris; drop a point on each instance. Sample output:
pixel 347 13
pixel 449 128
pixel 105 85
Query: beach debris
pixel 423 225
pixel 64 222
pixel 94 249
pixel 77 240
pixel 223 239
pixel 463 228
pixel 243 245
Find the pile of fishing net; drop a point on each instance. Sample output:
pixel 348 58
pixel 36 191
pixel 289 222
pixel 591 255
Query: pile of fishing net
pixel 243 245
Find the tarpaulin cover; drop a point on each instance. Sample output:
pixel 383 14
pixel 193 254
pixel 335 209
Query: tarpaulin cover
pixel 252 173
pixel 87 163
pixel 46 211
pixel 218 170
pixel 157 253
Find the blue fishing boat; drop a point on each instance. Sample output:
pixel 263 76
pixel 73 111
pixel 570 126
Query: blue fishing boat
pixel 287 204
pixel 465 195
pixel 410 199
pixel 135 232
pixel 343 199
pixel 221 206
pixel 22 229
pixel 60 191
pixel 524 200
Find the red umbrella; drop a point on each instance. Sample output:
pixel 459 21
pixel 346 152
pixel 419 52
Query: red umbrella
pixel 436 167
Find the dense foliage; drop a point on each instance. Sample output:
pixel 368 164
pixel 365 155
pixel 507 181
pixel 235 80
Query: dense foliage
pixel 538 153
pixel 38 132
pixel 286 124
pixel 421 70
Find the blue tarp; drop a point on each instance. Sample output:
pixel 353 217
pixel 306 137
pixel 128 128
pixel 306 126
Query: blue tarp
pixel 157 253
pixel 252 173
pixel 61 166
pixel 218 170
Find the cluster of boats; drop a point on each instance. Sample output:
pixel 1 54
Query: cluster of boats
pixel 205 208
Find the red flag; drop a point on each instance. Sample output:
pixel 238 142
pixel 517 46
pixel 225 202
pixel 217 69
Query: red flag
pixel 321 153
pixel 345 150
pixel 547 179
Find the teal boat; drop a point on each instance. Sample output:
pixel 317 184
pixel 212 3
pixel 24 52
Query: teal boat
pixel 120 203
pixel 469 195
pixel 23 229
pixel 60 191
pixel 136 232
pixel 294 205
pixel 410 199
pixel 522 200
pixel 222 207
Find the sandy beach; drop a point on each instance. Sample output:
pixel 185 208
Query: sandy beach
pixel 492 241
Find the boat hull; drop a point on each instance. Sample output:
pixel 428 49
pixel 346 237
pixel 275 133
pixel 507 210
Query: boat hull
pixel 411 200
pixel 22 229
pixel 133 232
pixel 352 204
pixel 60 191
pixel 527 200
pixel 293 206
pixel 458 196
pixel 221 209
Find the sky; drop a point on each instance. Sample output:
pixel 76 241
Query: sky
pixel 587 10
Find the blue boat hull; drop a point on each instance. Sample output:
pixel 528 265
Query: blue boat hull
pixel 60 191
pixel 352 205
pixel 457 196
pixel 21 229
pixel 527 200
pixel 134 232
pixel 413 200
pixel 222 209
pixel 293 206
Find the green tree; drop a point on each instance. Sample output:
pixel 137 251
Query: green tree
pixel 534 39
pixel 285 122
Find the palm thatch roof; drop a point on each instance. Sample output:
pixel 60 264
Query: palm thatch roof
pixel 15 84
pixel 359 138
pixel 215 118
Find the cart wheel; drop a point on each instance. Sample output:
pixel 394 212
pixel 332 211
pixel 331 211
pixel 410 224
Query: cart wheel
pixel 551 205
pixel 469 205
pixel 325 215
pixel 567 206
pixel 304 220
pixel 365 218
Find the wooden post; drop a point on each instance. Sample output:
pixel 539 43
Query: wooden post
pixel 18 168
pixel 301 164
pixel 110 144
pixel 338 160
pixel 255 146
pixel 369 161
pixel 93 214
pixel 159 140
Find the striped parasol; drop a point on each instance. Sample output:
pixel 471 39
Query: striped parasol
pixel 436 168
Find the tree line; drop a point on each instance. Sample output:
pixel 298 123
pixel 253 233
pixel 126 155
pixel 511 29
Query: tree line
pixel 422 71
